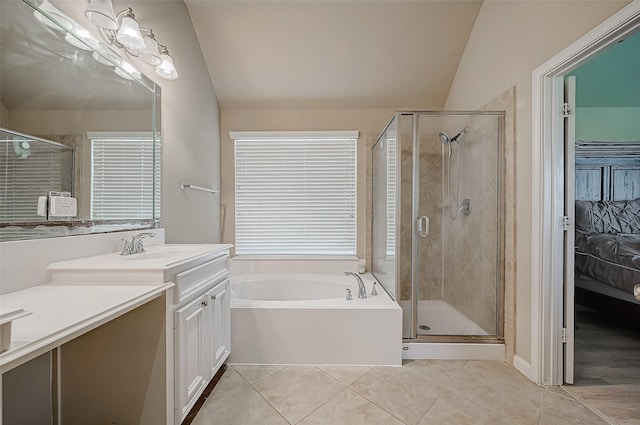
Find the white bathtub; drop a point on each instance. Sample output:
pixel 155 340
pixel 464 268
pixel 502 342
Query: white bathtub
pixel 305 318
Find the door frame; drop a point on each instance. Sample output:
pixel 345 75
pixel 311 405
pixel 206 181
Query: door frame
pixel 547 296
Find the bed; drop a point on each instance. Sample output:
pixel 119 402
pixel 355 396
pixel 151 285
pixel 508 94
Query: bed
pixel 607 218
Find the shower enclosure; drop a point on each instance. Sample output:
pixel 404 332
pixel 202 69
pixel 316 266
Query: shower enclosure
pixel 437 223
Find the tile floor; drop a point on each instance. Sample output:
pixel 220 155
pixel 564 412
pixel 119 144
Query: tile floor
pixel 421 392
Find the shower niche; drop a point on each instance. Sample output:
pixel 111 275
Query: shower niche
pixel 437 231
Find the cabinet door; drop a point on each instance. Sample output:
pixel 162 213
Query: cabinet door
pixel 190 371
pixel 220 330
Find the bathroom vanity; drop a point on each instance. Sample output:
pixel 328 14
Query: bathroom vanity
pixel 134 339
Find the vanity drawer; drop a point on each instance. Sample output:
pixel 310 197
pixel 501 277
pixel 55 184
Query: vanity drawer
pixel 191 281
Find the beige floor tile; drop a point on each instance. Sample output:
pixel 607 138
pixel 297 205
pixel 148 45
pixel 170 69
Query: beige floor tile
pixel 296 391
pixel 400 392
pixel 453 409
pixel 498 386
pixel 346 374
pixel 437 372
pixel 254 373
pixel 349 408
pixel 230 383
pixel 245 407
pixel 556 407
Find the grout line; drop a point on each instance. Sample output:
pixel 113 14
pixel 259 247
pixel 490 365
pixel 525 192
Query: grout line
pixel 374 403
pixel 322 405
pixel 264 377
pixel 262 396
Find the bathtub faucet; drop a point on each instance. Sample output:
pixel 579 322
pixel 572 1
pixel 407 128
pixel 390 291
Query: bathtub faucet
pixel 362 292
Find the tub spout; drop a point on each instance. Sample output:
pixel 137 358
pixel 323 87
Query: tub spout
pixel 362 292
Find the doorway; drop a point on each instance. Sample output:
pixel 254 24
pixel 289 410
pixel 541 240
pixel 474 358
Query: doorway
pixel 549 331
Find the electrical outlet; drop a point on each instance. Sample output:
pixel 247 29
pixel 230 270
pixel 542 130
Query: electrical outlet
pixel 63 206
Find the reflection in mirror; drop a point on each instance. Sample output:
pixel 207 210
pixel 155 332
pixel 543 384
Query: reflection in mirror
pixel 59 87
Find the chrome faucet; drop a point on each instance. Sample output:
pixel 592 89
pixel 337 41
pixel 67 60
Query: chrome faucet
pixel 136 246
pixel 362 292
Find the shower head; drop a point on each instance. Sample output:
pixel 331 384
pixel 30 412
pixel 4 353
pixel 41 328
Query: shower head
pixel 446 139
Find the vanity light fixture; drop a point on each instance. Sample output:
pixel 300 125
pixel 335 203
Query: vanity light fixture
pixel 123 31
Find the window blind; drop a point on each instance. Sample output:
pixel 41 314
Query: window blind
pixel 125 175
pixel 391 197
pixel 295 195
pixel 23 180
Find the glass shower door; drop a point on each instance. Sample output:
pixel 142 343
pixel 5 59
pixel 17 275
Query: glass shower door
pixel 456 249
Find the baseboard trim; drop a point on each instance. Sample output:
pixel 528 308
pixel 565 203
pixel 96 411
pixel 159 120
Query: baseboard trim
pixel 523 366
pixel 453 351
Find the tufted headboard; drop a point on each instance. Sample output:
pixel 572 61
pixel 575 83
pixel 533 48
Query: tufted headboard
pixel 608 216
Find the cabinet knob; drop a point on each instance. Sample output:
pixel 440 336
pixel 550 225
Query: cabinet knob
pixel 213 296
pixel 204 303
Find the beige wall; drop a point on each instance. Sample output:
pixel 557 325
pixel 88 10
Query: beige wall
pixel 509 40
pixel 4 116
pixel 370 122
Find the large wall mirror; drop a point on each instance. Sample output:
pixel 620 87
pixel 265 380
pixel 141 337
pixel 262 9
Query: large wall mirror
pixel 72 121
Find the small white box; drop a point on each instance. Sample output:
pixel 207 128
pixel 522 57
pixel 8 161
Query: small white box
pixel 63 206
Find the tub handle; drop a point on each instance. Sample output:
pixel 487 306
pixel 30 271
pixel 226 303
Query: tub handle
pixel 423 226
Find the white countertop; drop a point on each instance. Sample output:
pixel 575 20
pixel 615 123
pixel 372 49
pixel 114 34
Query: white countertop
pixel 62 312
pixel 156 257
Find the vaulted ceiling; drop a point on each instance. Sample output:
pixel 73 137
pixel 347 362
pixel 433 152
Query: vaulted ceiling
pixel 333 53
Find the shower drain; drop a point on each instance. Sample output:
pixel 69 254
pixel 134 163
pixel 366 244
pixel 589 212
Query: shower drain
pixel 424 327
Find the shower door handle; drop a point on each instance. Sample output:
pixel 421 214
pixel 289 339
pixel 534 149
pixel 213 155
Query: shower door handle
pixel 423 226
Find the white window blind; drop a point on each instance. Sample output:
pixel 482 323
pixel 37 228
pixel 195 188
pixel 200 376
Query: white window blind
pixel 124 172
pixel 391 197
pixel 295 194
pixel 23 180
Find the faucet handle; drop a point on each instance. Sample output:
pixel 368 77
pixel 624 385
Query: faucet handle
pixel 126 247
pixel 373 290
pixel 349 297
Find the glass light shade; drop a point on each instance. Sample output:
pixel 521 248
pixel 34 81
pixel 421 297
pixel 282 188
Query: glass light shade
pixel 106 56
pixel 100 13
pixel 61 20
pixel 166 69
pixel 83 39
pixel 128 71
pixel 150 55
pixel 129 34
